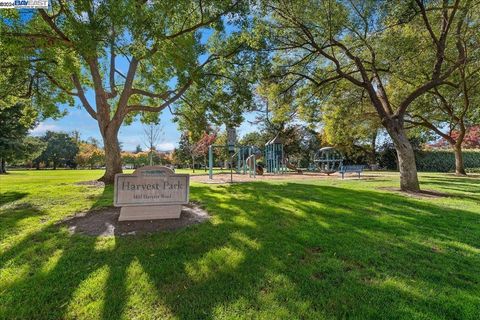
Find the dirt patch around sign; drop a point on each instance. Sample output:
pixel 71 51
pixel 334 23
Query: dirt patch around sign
pixel 423 194
pixel 104 222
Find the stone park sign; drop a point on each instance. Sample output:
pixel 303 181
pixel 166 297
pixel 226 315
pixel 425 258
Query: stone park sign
pixel 151 192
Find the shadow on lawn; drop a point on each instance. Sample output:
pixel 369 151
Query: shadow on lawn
pixel 472 184
pixel 11 196
pixel 294 250
pixel 11 214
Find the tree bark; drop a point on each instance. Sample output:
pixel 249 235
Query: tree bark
pixel 405 155
pixel 113 160
pixel 373 145
pixel 3 167
pixel 459 166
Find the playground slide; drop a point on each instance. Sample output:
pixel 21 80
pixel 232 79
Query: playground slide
pixel 292 167
pixel 259 170
pixel 250 163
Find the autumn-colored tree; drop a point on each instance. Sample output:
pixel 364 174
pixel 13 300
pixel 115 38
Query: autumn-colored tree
pixel 200 148
pixel 471 140
pixel 129 159
pixel 90 155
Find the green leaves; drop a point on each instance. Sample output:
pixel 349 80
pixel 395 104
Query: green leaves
pixel 15 122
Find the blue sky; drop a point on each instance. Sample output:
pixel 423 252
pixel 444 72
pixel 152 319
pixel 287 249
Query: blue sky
pixel 130 136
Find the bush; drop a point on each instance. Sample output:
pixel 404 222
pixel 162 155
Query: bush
pixel 432 160
pixel 387 157
pixel 444 160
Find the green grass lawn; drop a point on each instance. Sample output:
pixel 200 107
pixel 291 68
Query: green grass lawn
pixel 280 250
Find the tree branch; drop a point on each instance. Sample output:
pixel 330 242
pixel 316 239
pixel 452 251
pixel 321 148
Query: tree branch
pixel 113 56
pixel 81 96
pixel 139 107
pixel 163 95
pixel 54 27
pixel 57 84
pixel 202 22
pixel 35 36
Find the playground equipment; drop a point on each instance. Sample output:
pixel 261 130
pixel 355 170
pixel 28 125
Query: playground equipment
pixel 274 156
pixel 253 168
pixel 293 167
pixel 244 159
pixel 241 159
pixel 328 160
pixel 243 153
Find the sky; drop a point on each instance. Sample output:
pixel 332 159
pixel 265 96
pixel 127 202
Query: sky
pixel 130 135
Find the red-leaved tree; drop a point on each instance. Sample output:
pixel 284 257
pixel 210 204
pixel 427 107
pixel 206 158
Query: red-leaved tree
pixel 470 141
pixel 200 148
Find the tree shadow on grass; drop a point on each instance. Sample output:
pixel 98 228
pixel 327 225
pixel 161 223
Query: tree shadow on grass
pixel 463 184
pixel 12 214
pixel 287 250
pixel 10 196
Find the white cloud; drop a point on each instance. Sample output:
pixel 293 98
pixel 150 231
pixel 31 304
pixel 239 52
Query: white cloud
pixel 43 127
pixel 166 146
pixel 131 141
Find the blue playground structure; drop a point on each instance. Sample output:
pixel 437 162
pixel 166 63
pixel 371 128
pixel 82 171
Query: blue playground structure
pixel 274 156
pixel 328 160
pixel 244 158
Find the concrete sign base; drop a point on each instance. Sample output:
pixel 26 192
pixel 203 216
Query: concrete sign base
pixel 149 213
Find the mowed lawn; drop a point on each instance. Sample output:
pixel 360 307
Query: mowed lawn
pixel 282 250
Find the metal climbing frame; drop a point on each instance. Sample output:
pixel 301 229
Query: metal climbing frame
pixel 242 153
pixel 328 160
pixel 274 156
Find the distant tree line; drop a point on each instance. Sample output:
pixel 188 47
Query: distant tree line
pixel 140 158
pixel 57 149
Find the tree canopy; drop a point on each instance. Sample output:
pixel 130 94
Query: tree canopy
pixel 15 122
pixel 372 45
pixel 135 57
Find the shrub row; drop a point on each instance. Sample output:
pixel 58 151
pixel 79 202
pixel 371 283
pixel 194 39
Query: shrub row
pixel 444 160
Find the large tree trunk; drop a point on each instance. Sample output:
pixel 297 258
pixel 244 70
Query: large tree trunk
pixel 459 166
pixel 3 167
pixel 113 160
pixel 457 148
pixel 373 146
pixel 406 157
